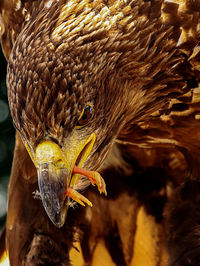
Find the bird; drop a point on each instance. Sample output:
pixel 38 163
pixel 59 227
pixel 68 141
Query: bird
pixel 106 93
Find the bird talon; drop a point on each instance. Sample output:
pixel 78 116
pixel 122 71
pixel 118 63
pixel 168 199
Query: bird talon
pixel 94 177
pixel 76 196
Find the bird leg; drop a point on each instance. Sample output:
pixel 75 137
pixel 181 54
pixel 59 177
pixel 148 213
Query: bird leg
pixel 94 177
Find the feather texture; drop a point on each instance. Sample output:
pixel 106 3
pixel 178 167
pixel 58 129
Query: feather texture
pixel 137 62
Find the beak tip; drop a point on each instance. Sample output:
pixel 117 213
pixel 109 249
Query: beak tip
pixel 57 222
pixel 57 217
pixel 56 211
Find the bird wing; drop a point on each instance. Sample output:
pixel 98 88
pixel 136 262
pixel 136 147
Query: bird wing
pixel 176 124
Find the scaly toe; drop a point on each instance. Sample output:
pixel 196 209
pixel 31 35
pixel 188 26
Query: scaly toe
pixel 76 196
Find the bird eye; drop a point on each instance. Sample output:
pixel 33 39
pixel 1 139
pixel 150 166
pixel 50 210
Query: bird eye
pixel 85 116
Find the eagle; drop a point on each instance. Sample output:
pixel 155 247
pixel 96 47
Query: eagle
pixel 103 92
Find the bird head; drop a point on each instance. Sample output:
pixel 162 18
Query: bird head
pixel 81 74
pixel 65 96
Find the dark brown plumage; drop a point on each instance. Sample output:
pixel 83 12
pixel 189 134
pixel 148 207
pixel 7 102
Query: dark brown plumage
pixel 136 64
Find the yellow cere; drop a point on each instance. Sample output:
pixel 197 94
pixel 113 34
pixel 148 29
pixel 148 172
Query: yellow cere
pixel 49 152
pixel 65 157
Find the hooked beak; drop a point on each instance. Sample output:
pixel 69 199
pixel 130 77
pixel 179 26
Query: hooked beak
pixel 53 185
pixel 55 173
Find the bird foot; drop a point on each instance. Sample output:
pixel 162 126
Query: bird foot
pixel 94 177
pixel 76 196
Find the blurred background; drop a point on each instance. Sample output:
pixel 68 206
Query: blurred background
pixel 7 139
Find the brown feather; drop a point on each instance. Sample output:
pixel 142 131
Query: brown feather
pixel 137 62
